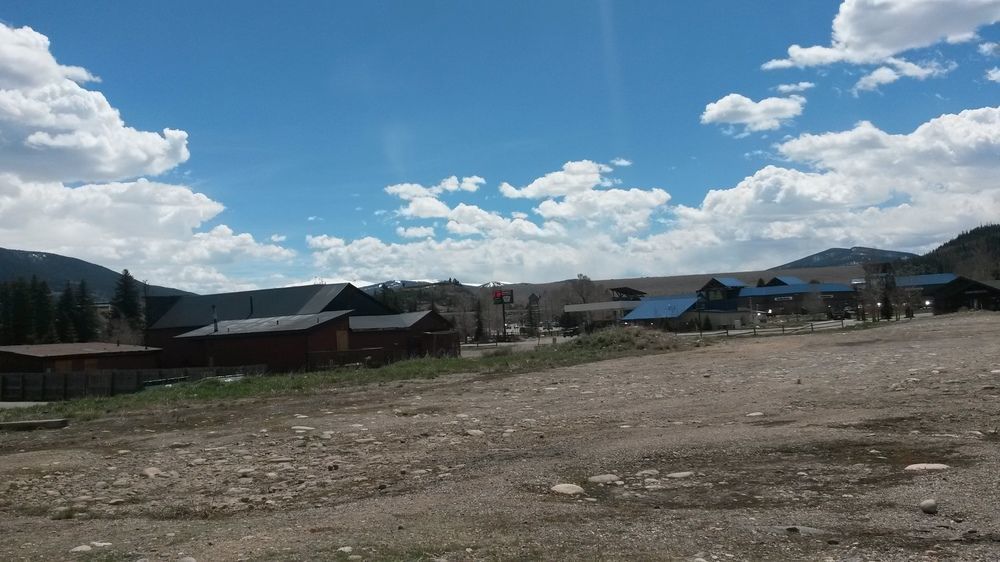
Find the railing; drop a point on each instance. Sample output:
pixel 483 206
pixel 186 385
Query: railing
pixel 805 328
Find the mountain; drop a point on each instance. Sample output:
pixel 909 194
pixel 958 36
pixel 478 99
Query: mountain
pixel 974 254
pixel 57 270
pixel 848 256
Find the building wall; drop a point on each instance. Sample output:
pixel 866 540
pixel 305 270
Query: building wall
pixel 287 351
pixel 16 363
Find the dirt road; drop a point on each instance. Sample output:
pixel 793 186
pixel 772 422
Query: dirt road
pixel 461 468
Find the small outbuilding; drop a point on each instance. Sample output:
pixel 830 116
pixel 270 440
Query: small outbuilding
pixel 76 357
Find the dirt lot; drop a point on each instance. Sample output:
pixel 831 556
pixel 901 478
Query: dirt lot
pixel 460 468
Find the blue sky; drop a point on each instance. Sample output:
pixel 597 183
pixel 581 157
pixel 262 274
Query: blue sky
pixel 293 123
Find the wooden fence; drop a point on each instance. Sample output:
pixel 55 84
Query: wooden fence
pixel 45 387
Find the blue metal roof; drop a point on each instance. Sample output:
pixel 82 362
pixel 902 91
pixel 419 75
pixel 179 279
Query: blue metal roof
pixel 924 280
pixel 659 308
pixel 786 280
pixel 799 289
pixel 730 282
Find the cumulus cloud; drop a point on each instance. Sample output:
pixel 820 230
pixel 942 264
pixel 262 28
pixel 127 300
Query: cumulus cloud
pixel 764 115
pixel 993 74
pixel 870 31
pixel 900 68
pixel 278 238
pixel 415 232
pixel 411 191
pixel 621 162
pixel 574 177
pixel 860 186
pixel 54 132
pixel 794 88
pixel 989 49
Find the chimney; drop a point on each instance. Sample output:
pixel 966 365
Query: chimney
pixel 215 320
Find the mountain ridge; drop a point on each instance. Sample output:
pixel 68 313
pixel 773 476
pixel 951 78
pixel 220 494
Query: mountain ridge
pixel 856 255
pixel 56 270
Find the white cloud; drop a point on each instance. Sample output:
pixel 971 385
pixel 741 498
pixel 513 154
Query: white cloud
pixel 870 31
pixel 53 129
pixel 415 232
pixel 55 132
pixel 989 49
pixel 621 162
pixel 764 115
pixel 425 208
pixel 862 186
pixel 278 238
pixel 993 74
pixel 575 177
pixel 628 210
pixel 794 88
pixel 409 191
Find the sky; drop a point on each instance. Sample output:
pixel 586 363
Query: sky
pixel 215 146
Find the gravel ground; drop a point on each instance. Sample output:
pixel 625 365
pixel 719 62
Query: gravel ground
pixel 783 448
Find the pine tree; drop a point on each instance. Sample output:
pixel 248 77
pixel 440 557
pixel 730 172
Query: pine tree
pixel 21 322
pixel 65 315
pixel 84 318
pixel 6 314
pixel 42 316
pixel 125 304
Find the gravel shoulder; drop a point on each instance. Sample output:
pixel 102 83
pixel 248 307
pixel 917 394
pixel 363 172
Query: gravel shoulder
pixel 462 467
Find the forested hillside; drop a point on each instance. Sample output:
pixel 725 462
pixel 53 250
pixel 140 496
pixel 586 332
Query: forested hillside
pixel 974 254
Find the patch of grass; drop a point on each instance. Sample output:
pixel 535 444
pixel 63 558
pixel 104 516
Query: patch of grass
pixel 605 344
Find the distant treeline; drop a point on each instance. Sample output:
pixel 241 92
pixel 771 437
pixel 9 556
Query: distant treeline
pixel 975 254
pixel 30 313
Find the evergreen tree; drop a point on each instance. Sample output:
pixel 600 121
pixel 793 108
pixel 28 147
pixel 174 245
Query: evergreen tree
pixel 65 315
pixel 480 333
pixel 42 314
pixel 125 305
pixel 84 317
pixel 21 323
pixel 5 314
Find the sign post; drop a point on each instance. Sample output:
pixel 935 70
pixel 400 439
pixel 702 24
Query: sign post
pixel 503 297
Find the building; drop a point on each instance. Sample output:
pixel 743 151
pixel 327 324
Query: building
pixel 76 357
pixel 777 298
pixel 293 328
pixel 675 313
pixel 947 292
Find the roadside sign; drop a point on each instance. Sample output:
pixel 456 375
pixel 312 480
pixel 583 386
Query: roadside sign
pixel 503 296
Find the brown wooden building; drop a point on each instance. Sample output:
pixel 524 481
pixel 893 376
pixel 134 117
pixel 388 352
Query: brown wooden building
pixel 76 357
pixel 292 329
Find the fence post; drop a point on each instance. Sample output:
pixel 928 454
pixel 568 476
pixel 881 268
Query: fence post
pixel 755 330
pixel 812 327
pixel 727 332
pixel 841 322
pixel 782 329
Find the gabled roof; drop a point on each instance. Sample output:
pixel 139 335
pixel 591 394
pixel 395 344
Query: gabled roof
pixel 74 349
pixel 785 280
pixel 197 310
pixel 799 289
pixel 273 324
pixel 387 321
pixel 730 282
pixel 925 280
pixel 659 308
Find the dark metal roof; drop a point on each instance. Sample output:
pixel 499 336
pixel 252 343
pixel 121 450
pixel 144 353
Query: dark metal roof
pixel 196 310
pixel 273 324
pixel 924 280
pixel 730 282
pixel 387 321
pixel 74 349
pixel 659 308
pixel 802 288
pixel 785 280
